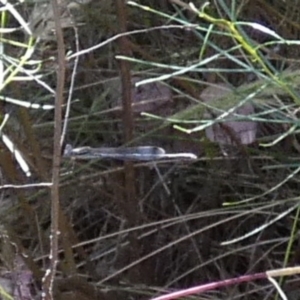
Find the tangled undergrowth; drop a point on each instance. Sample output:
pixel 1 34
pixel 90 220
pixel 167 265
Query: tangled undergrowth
pixel 220 81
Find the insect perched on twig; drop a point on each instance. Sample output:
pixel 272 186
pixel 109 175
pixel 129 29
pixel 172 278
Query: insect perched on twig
pixel 140 153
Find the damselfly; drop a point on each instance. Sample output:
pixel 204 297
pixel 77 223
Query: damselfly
pixel 140 153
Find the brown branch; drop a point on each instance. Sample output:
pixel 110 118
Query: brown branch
pixel 129 202
pixel 55 205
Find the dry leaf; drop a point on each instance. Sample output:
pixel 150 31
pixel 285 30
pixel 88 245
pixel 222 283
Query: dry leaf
pixel 229 132
pixel 145 98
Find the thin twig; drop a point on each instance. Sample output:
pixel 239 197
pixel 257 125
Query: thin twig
pixel 25 186
pixel 129 203
pixel 71 89
pixel 55 205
